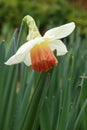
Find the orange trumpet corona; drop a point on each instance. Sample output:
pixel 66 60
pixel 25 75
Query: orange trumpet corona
pixel 42 57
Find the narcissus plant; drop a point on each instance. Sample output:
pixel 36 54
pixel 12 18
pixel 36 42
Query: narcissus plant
pixel 38 50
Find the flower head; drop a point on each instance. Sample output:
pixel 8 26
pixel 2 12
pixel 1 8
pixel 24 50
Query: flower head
pixel 38 50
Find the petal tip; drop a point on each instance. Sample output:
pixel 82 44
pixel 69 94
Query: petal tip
pixel 72 25
pixel 7 63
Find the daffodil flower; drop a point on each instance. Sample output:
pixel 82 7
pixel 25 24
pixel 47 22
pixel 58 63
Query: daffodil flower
pixel 38 50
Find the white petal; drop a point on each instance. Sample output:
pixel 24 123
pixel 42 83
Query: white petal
pixel 14 60
pixel 25 48
pixel 60 32
pixel 27 60
pixel 59 46
pixel 23 51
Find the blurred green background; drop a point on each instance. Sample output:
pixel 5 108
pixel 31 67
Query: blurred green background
pixel 56 100
pixel 47 13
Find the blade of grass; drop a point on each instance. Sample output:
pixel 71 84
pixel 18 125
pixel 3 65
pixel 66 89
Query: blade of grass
pixel 2 57
pixel 33 107
pixel 78 120
pixel 9 113
pixel 46 86
pixel 8 75
pixel 21 32
pixel 21 110
pixel 75 107
pixel 7 90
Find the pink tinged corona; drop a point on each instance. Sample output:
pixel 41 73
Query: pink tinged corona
pixel 42 58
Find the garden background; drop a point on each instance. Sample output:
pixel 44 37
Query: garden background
pixel 55 100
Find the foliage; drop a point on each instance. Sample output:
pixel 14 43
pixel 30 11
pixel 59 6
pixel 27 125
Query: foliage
pixel 80 19
pixel 44 101
pixel 50 12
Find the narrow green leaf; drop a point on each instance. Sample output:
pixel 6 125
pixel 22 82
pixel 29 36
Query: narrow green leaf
pixel 46 86
pixel 13 46
pixel 21 110
pixel 7 90
pixel 2 58
pixel 21 31
pixel 45 116
pixel 34 104
pixel 78 120
pixel 11 101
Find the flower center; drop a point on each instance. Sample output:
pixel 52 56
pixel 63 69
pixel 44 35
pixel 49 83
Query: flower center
pixel 42 57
